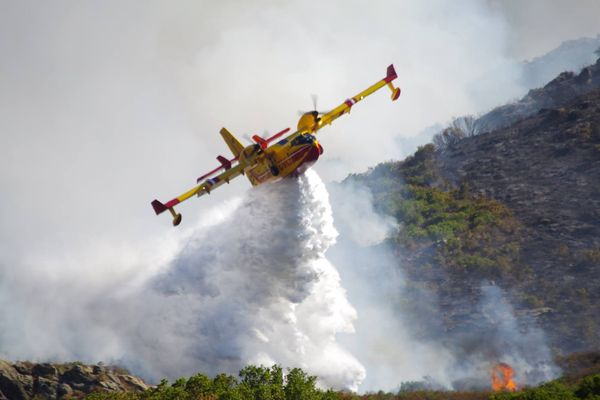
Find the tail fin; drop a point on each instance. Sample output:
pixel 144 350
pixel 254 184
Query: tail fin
pixel 234 145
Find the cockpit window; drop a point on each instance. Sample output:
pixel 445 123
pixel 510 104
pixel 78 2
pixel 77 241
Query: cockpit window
pixel 303 139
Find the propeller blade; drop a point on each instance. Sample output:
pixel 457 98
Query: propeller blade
pixel 247 137
pixel 314 99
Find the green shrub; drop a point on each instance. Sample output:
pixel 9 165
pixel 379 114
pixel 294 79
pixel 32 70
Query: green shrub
pixel 300 386
pixel 589 388
pixel 549 391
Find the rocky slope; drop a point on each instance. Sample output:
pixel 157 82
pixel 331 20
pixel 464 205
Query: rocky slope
pixel 25 380
pixel 546 170
pixel 517 206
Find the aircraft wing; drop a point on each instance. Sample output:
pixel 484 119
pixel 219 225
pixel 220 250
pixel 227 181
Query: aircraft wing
pixel 205 187
pixel 347 105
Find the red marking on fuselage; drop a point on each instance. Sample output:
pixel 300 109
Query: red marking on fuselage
pixel 311 158
pixel 262 177
pixel 350 102
pixel 292 158
pixel 309 153
pixel 172 203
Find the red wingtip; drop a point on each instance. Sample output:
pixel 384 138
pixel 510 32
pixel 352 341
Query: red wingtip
pixel 391 73
pixel 158 207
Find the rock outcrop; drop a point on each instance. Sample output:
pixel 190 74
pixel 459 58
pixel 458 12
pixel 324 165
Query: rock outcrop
pixel 25 380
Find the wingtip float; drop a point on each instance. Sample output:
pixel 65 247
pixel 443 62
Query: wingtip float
pixel 268 160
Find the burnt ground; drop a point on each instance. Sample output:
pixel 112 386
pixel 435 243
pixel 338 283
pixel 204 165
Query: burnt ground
pixel 546 169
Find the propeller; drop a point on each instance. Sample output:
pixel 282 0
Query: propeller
pixel 314 98
pixel 247 137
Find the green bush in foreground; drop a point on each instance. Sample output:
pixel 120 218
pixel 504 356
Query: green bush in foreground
pixel 254 383
pixel 261 383
pixel 548 391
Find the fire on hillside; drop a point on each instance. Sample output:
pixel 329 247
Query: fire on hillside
pixel 502 378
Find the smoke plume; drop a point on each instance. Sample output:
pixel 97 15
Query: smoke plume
pixel 400 331
pixel 496 334
pixel 256 288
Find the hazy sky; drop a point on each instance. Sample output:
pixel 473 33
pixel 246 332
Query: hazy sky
pixel 106 105
pixel 538 26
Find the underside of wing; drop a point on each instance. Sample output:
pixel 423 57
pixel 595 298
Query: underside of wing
pixel 347 105
pixel 205 187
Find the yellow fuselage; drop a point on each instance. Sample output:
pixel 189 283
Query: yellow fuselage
pixel 288 157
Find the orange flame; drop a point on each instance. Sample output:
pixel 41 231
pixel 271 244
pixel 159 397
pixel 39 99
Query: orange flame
pixel 502 378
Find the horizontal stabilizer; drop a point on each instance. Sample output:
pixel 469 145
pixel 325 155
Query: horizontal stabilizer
pixel 225 162
pixel 262 142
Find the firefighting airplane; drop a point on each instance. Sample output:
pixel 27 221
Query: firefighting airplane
pixel 262 162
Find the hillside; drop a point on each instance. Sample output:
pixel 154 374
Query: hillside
pixel 517 206
pixel 559 91
pixel 546 170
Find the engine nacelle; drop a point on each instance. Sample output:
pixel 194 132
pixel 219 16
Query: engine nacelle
pixel 308 122
pixel 249 155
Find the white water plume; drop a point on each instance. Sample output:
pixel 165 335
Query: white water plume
pixel 256 288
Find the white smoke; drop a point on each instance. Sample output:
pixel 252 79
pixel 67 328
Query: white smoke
pixel 255 287
pixel 495 334
pixel 401 335
pixel 105 105
pixel 387 340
